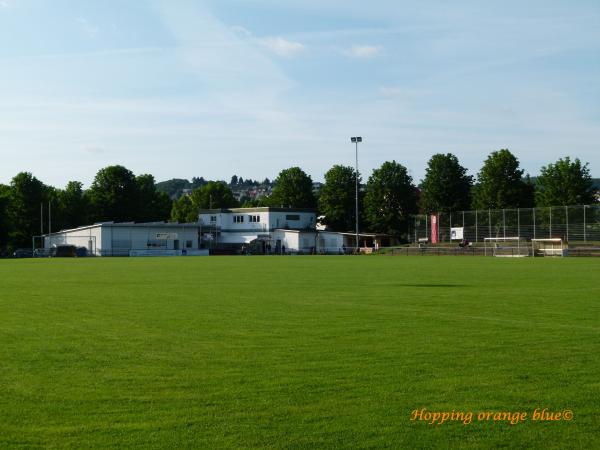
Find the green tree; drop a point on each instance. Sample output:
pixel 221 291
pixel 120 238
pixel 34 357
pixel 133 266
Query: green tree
pixel 4 216
pixel 151 205
pixel 390 199
pixel 337 198
pixel 27 193
pixel 564 183
pixel 214 194
pixel 293 189
pixel 183 210
pixel 500 183
pixel 113 195
pixel 71 206
pixel 446 186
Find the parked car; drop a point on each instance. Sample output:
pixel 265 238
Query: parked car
pixel 63 251
pixel 23 253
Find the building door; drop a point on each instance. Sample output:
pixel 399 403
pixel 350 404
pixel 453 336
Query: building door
pixel 176 244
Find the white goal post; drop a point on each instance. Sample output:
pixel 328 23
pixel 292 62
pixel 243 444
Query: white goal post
pixel 509 247
pixel 548 247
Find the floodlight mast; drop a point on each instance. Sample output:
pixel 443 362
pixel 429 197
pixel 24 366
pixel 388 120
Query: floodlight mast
pixel 355 140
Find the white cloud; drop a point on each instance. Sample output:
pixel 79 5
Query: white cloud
pixel 3 4
pixel 241 31
pixel 364 51
pixel 87 27
pixel 282 47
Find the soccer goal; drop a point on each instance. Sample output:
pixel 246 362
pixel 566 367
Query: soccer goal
pixel 548 247
pixel 508 247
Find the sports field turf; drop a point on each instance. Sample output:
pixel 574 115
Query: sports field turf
pixel 297 352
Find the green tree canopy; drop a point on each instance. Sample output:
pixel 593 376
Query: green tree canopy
pixel 500 183
pixel 293 189
pixel 214 194
pixel 390 199
pixel 71 206
pixel 183 210
pixel 27 193
pixel 113 195
pixel 446 186
pixel 152 205
pixel 564 183
pixel 337 199
pixel 5 224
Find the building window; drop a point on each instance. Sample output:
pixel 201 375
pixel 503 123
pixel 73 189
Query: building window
pixel 213 218
pixel 292 217
pixel 188 244
pixel 238 219
pixel 254 219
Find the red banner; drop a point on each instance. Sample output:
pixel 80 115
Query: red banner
pixel 434 229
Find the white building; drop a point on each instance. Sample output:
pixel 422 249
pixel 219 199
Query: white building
pixel 279 229
pixel 131 239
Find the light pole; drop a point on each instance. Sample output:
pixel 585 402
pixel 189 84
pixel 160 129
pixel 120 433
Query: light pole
pixel 356 140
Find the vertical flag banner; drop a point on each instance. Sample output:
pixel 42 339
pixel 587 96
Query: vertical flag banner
pixel 434 229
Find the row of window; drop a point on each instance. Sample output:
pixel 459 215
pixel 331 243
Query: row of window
pixel 256 219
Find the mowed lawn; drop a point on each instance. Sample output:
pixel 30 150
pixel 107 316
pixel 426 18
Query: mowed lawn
pixel 297 352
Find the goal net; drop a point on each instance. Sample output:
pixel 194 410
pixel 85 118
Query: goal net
pixel 548 247
pixel 510 247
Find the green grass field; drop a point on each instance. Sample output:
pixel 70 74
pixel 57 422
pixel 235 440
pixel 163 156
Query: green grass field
pixel 297 352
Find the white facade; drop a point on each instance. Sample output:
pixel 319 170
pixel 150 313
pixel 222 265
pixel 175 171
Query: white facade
pixel 294 227
pixel 131 239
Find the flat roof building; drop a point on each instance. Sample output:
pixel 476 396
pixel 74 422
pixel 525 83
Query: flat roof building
pixel 131 239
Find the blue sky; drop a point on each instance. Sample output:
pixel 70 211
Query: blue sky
pixel 212 88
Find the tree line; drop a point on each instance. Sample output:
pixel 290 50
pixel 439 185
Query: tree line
pixel 386 200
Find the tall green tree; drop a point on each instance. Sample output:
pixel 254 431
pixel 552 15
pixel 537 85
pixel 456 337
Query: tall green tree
pixel 71 206
pixel 152 205
pixel 214 194
pixel 500 183
pixel 293 189
pixel 5 224
pixel 390 199
pixel 113 195
pixel 564 183
pixel 446 186
pixel 337 198
pixel 27 193
pixel 183 210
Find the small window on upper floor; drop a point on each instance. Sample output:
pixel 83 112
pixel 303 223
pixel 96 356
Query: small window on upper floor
pixel 254 219
pixel 292 217
pixel 238 219
pixel 213 218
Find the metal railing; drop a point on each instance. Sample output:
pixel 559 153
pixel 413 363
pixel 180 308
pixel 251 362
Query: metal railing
pixel 570 223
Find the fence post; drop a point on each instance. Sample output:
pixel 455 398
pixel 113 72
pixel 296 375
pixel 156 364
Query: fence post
pixel 476 230
pixel 450 229
pixel 415 229
pixel 426 227
pixel 567 221
pixel 519 222
pixel 533 209
pixel 550 208
pixel 584 231
pixel 489 223
pixel 504 223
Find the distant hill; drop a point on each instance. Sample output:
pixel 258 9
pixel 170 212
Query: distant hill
pixel 242 189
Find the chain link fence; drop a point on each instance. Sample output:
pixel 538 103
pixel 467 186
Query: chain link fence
pixel 570 223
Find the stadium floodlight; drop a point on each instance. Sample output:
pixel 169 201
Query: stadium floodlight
pixel 355 140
